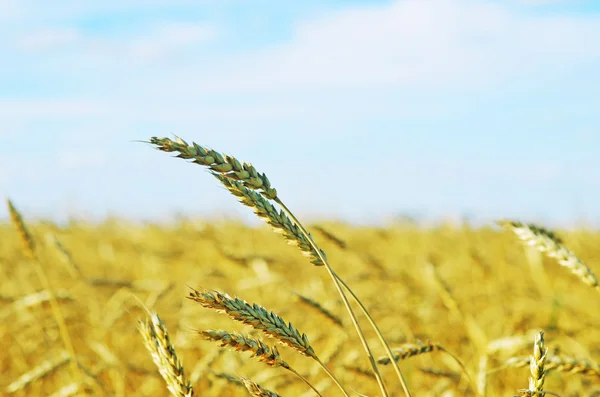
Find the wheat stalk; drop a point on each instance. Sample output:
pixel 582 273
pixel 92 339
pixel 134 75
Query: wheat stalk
pixel 29 245
pixel 243 190
pixel 157 341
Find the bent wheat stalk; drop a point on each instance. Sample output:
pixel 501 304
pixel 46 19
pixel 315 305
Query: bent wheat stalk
pixel 243 181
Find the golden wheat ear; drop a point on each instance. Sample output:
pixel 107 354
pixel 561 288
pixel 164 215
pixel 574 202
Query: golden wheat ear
pixel 157 341
pixel 546 242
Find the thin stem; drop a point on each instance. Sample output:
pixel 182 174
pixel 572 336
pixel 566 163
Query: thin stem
pixel 307 382
pixel 342 295
pixel 332 376
pixel 386 346
pixel 463 369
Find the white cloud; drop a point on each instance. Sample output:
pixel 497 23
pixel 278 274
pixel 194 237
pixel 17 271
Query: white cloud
pixel 420 43
pixel 168 38
pixel 47 39
pixel 81 159
pixel 153 41
pixel 462 44
pixel 52 108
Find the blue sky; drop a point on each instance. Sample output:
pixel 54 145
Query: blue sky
pixel 358 110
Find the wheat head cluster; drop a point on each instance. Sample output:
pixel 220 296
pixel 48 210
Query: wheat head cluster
pixel 219 308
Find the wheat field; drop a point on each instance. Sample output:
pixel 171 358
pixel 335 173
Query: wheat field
pixel 132 309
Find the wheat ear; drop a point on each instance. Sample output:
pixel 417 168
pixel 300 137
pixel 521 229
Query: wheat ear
pixel 256 316
pixel 319 307
pixel 546 242
pixel 242 189
pixel 257 390
pixel 268 355
pixel 407 350
pixel 260 350
pixel 158 343
pixel 558 363
pixel 278 220
pixel 223 164
pixel 263 320
pixel 537 365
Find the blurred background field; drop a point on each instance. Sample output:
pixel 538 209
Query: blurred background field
pixel 404 274
pixel 356 110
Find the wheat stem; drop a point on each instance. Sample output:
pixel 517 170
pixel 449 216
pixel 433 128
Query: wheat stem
pixel 29 245
pixel 338 286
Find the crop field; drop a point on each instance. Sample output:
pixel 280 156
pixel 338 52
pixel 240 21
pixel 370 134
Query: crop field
pixel 130 309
